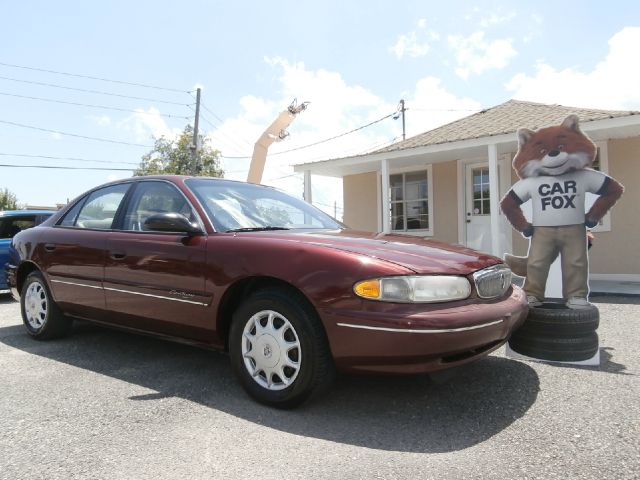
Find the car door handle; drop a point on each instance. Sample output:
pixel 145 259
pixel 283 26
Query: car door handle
pixel 118 255
pixel 49 247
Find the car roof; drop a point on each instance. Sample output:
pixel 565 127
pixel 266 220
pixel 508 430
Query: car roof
pixel 13 213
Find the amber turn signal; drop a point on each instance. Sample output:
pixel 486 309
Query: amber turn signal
pixel 368 288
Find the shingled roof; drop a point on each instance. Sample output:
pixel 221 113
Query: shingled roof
pixel 503 119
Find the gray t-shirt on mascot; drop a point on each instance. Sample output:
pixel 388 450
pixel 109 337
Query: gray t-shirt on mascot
pixel 559 200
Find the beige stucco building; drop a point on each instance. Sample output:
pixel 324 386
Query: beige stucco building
pixel 446 183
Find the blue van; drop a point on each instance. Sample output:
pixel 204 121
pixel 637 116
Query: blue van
pixel 12 222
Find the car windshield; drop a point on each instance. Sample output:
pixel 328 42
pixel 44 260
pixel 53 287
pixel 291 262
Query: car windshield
pixel 237 206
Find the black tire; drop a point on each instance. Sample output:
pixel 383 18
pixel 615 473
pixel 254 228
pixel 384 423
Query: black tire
pixel 556 319
pixel 41 316
pixel 299 342
pixel 567 349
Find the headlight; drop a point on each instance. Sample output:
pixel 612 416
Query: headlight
pixel 414 289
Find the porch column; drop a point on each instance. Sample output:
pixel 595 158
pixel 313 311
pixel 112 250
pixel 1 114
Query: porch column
pixel 494 195
pixel 384 170
pixel 307 186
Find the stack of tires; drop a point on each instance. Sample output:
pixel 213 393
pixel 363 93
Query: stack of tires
pixel 557 333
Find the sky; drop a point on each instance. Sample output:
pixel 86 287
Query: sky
pixel 90 85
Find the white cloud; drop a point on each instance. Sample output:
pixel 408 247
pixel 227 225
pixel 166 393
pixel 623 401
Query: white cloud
pixel 336 107
pixel 101 120
pixel 475 55
pixel 493 19
pixel 431 106
pixel 145 124
pixel 612 84
pixel 415 43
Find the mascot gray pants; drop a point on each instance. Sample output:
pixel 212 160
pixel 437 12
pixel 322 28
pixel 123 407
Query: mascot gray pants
pixel 568 241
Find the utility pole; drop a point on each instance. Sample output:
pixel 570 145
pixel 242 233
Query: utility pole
pixel 400 112
pixel 194 146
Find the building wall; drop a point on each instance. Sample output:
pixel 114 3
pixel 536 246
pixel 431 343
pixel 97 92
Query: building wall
pixel 616 252
pixel 445 202
pixel 360 195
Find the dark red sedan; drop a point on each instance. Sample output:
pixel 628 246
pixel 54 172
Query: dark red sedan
pixel 290 293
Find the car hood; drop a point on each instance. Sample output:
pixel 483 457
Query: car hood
pixel 414 253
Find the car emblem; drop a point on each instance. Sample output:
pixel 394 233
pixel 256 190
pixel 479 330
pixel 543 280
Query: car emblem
pixel 267 351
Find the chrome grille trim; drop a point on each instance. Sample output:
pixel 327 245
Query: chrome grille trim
pixel 493 281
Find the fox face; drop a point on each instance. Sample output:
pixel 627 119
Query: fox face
pixel 553 150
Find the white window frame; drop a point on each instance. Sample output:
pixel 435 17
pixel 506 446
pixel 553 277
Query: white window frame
pixel 428 232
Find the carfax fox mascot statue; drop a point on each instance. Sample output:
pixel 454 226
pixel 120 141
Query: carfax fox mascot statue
pixel 553 164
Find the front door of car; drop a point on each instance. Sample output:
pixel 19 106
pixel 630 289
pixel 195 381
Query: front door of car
pixel 72 253
pixel 155 280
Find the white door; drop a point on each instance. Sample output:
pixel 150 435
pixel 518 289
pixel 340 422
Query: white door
pixel 477 207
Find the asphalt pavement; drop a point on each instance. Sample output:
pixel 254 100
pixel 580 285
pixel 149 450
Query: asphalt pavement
pixel 103 404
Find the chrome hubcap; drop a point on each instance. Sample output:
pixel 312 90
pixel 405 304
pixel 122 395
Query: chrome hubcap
pixel 35 305
pixel 271 350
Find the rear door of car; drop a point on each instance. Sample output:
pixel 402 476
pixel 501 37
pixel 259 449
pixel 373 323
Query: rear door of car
pixel 155 280
pixel 72 253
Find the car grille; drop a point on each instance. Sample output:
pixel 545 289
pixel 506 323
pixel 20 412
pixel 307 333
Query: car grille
pixel 493 281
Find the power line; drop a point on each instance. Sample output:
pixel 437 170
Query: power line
pixel 212 113
pixel 59 167
pixel 98 139
pixel 235 144
pixel 240 137
pixel 221 121
pixel 328 206
pixel 280 178
pixel 99 92
pixel 94 78
pixel 74 159
pixel 336 136
pixel 235 141
pixel 315 143
pixel 92 106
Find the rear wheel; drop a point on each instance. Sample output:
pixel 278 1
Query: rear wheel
pixel 41 316
pixel 279 349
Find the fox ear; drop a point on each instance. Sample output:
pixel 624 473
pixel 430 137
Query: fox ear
pixel 572 122
pixel 524 135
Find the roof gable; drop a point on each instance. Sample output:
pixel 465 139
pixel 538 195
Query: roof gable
pixel 503 119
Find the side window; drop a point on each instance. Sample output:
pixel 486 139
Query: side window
pixel 69 219
pixel 10 226
pixel 100 208
pixel 151 198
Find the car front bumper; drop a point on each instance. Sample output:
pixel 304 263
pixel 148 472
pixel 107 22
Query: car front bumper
pixel 386 338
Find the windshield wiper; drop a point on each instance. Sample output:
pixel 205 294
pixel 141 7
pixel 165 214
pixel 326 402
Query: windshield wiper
pixel 255 229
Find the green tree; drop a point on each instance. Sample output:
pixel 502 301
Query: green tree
pixel 174 157
pixel 8 200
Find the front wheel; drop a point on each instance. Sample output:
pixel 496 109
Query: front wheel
pixel 41 316
pixel 279 349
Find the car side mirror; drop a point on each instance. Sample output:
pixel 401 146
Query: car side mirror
pixel 171 222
